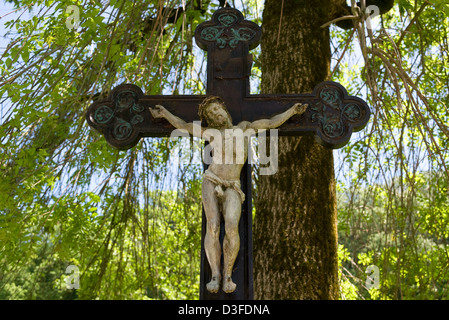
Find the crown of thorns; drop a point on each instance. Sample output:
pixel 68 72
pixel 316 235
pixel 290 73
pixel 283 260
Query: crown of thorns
pixel 205 104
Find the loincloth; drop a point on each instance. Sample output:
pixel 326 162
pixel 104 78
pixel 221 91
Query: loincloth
pixel 221 185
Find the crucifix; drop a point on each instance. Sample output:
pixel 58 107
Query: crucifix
pixel 127 115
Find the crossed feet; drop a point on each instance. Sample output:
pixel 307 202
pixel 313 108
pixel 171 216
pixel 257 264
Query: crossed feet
pixel 214 284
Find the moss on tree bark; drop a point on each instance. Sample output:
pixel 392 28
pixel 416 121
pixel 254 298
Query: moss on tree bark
pixel 295 227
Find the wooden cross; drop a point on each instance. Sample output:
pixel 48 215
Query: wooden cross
pixel 332 116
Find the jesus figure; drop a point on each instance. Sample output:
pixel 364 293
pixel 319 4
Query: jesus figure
pixel 221 193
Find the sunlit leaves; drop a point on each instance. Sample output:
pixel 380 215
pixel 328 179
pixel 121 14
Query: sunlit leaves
pixel 62 187
pixel 393 204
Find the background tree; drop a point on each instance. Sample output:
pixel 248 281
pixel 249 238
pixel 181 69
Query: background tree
pixel 295 236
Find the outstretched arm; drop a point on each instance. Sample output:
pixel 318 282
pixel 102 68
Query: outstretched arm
pixel 279 119
pixel 160 112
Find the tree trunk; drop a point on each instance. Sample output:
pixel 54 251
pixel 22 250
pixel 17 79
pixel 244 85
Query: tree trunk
pixel 295 227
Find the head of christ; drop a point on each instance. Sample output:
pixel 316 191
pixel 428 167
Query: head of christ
pixel 214 111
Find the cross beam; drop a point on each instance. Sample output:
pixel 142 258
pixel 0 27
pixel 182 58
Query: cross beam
pixel 124 118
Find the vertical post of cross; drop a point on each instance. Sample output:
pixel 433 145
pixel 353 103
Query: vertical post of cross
pixel 227 38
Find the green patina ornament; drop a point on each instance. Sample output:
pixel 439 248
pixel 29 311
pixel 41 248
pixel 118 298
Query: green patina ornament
pixel 223 34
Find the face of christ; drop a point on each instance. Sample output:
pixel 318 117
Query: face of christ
pixel 215 113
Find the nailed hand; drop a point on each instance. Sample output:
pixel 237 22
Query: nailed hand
pixel 158 111
pixel 300 108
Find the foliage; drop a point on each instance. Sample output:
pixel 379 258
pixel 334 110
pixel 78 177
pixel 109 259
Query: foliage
pixel 412 254
pixel 393 179
pixel 66 197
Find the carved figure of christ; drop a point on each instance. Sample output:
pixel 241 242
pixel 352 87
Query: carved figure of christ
pixel 221 193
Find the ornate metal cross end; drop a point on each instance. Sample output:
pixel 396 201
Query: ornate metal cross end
pixel 227 29
pixel 337 114
pixel 120 116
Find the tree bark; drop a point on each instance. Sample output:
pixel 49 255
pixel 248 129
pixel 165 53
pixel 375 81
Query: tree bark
pixel 295 226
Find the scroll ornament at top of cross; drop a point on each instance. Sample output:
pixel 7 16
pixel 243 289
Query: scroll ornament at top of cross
pixel 227 28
